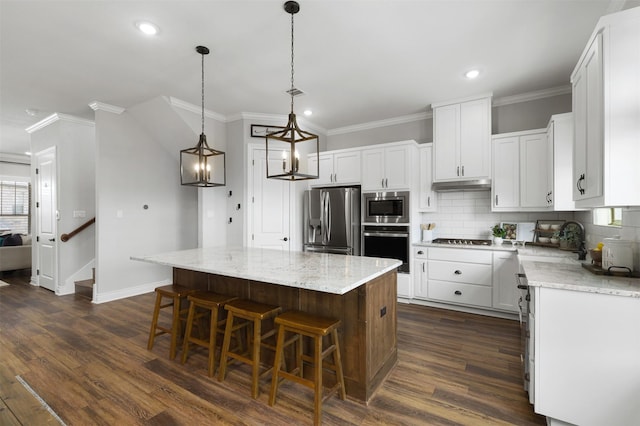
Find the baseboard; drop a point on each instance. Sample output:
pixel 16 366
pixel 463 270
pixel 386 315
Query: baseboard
pixel 127 292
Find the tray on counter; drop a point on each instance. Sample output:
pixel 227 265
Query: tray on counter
pixel 617 273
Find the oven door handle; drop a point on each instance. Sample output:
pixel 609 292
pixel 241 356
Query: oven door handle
pixel 386 234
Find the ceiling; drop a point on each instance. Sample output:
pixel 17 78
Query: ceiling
pixel 357 61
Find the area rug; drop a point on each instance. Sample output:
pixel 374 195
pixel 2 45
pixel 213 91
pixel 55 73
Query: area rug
pixel 2 283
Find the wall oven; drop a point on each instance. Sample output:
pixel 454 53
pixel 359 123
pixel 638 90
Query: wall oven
pixel 385 207
pixel 390 242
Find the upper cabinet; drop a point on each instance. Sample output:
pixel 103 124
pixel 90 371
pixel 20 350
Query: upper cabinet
pixel 606 107
pixel 337 168
pixel 520 176
pixel 462 139
pixel 426 197
pixel 387 167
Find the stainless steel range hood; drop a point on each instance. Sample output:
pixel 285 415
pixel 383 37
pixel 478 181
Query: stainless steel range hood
pixel 462 185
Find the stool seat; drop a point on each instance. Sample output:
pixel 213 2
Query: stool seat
pixel 251 315
pixel 177 293
pixel 211 302
pixel 316 327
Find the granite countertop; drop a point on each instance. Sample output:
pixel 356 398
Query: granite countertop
pixel 328 273
pixel 553 268
pixel 491 247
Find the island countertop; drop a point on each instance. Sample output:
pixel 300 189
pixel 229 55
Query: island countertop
pixel 328 273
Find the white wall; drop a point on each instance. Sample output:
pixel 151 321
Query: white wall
pixel 75 144
pixel 133 171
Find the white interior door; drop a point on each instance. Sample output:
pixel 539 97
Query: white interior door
pixel 46 219
pixel 269 216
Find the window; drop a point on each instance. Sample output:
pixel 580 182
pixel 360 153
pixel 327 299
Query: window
pixel 608 216
pixel 15 199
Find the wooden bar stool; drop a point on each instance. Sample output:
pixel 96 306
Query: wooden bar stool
pixel 209 304
pixel 303 324
pixel 177 294
pixel 251 314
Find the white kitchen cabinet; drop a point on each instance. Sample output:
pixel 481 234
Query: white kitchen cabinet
pixel 387 167
pixel 337 168
pixel 505 291
pixel 519 179
pixel 586 357
pixel 427 198
pixel 462 139
pixel 560 151
pixel 606 107
pixel 420 277
pixel 460 276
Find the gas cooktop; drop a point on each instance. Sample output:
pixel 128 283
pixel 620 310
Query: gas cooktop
pixel 462 242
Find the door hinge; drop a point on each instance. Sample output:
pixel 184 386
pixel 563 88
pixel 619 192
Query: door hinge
pixel 252 237
pixel 37 271
pixel 37 239
pixel 253 200
pixel 37 171
pixel 37 203
pixel 253 162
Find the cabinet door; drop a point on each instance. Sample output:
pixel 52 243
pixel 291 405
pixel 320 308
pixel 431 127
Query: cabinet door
pixel 426 198
pixel 505 290
pixel 420 279
pixel 372 169
pixel 397 168
pixel 475 139
pixel 346 167
pixel 505 186
pixel 326 169
pixel 588 116
pixel 533 171
pixel 446 132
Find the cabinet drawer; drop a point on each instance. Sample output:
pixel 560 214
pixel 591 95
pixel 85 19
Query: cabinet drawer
pixel 470 273
pixel 420 252
pixel 461 255
pixel 467 294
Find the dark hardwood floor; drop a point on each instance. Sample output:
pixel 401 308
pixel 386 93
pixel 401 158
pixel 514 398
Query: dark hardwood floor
pixel 90 364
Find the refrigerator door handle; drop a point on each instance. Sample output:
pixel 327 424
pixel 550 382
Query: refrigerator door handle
pixel 328 217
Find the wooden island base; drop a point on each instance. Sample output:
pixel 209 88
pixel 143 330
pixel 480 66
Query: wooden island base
pixel 368 314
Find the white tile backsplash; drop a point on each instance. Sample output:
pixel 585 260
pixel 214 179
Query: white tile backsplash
pixel 467 214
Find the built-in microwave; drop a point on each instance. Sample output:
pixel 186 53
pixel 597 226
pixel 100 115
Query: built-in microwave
pixel 385 207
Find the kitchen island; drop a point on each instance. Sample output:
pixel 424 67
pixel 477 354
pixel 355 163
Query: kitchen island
pixel 360 291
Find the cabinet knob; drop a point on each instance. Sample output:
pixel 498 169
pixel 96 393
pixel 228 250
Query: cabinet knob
pixel 285 239
pixel 458 272
pixel 457 293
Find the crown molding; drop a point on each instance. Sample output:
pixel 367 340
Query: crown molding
pixel 381 123
pixel 532 96
pixel 58 117
pixel 97 105
pixel 178 103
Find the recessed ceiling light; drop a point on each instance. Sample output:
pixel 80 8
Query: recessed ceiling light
pixel 31 112
pixel 308 112
pixel 471 74
pixel 147 27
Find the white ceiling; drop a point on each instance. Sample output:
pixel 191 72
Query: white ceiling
pixel 357 61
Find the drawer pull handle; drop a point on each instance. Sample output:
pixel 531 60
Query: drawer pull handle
pixel 458 272
pixel 457 293
pixel 420 252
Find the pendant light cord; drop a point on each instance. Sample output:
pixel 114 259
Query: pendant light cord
pixel 292 86
pixel 202 92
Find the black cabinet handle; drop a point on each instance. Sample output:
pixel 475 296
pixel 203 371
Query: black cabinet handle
pixel 458 272
pixel 420 252
pixel 580 188
pixel 457 293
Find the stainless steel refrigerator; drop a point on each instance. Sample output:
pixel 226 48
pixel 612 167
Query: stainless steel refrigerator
pixel 332 220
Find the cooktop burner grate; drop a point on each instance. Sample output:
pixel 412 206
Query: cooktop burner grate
pixel 462 241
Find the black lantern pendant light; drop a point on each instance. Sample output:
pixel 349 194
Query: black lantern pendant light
pixel 202 166
pixel 294 144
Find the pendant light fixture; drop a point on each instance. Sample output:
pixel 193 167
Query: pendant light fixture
pixel 202 166
pixel 293 143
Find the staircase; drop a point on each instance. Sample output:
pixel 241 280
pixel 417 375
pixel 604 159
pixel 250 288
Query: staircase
pixel 84 288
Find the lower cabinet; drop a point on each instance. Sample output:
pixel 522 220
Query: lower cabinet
pixel 469 277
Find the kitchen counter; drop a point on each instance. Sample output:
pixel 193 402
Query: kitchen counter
pixel 359 291
pixel 553 268
pixel 328 273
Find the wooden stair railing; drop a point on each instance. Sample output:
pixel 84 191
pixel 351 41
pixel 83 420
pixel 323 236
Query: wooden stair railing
pixel 67 237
